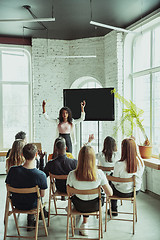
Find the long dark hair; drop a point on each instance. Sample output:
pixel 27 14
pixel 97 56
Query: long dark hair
pixel 69 119
pixel 129 154
pixel 108 148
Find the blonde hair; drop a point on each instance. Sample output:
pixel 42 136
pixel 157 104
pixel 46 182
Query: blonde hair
pixel 15 157
pixel 129 154
pixel 86 168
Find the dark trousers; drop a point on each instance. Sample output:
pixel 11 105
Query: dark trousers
pixel 67 137
pixel 119 194
pixel 86 206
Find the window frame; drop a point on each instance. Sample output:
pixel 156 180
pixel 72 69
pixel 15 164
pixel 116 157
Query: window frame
pixel 27 51
pixel 150 71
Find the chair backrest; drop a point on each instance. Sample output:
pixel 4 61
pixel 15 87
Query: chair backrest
pixel 62 177
pixel 123 180
pixel 23 190
pixel 105 169
pixel 71 191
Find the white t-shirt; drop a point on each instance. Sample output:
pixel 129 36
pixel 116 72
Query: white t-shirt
pixel 102 161
pixel 120 171
pixel 87 185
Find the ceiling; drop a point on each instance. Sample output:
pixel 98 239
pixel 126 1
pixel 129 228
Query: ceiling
pixel 72 16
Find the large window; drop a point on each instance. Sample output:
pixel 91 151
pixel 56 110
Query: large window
pixel 15 98
pixel 146 81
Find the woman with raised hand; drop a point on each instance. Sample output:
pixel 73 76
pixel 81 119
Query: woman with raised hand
pixel 109 155
pixel 65 123
pixel 15 156
pixel 130 164
pixel 85 177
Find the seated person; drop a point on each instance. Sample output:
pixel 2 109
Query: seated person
pixel 19 135
pixel 130 164
pixel 27 176
pixel 61 165
pixel 86 177
pixel 108 156
pixel 16 157
pixel 55 154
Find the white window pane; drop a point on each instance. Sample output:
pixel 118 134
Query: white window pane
pixel 141 52
pixel 14 66
pixel 156 47
pixel 142 100
pixel 91 127
pixel 15 112
pixel 156 112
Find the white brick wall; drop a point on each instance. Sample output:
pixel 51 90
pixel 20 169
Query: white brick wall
pixel 52 75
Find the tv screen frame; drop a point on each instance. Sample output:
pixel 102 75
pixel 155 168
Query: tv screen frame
pixel 99 103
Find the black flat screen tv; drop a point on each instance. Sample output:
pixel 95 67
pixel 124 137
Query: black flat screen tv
pixel 99 103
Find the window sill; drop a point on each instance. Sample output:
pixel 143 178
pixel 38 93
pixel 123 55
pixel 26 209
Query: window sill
pixel 152 163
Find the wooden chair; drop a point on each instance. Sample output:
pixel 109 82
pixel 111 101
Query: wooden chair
pixel 105 169
pixel 55 195
pixel 72 212
pixel 132 199
pixel 13 211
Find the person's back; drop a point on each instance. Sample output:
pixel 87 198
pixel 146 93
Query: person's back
pixel 26 176
pixel 61 165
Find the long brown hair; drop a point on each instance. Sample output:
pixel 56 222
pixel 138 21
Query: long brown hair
pixel 15 157
pixel 129 154
pixel 109 146
pixel 86 168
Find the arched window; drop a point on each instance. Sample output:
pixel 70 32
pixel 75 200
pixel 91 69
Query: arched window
pixel 145 77
pixel 15 94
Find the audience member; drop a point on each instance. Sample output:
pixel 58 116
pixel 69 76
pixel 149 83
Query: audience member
pixel 109 155
pixel 15 157
pixel 55 153
pixel 27 176
pixel 61 165
pixel 85 177
pixel 19 135
pixel 130 164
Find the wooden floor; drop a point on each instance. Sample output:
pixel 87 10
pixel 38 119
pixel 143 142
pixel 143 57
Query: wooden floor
pixel 147 227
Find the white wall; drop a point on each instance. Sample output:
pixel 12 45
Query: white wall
pixel 52 75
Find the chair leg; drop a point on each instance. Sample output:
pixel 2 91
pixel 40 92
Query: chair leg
pixel 72 226
pixel 106 216
pixel 110 210
pixel 49 209
pixel 15 219
pixel 37 218
pixel 136 210
pixel 133 215
pixel 43 219
pixel 6 218
pixel 54 199
pixel 101 227
pixel 67 233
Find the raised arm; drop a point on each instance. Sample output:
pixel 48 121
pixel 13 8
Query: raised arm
pixel 45 113
pixel 83 104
